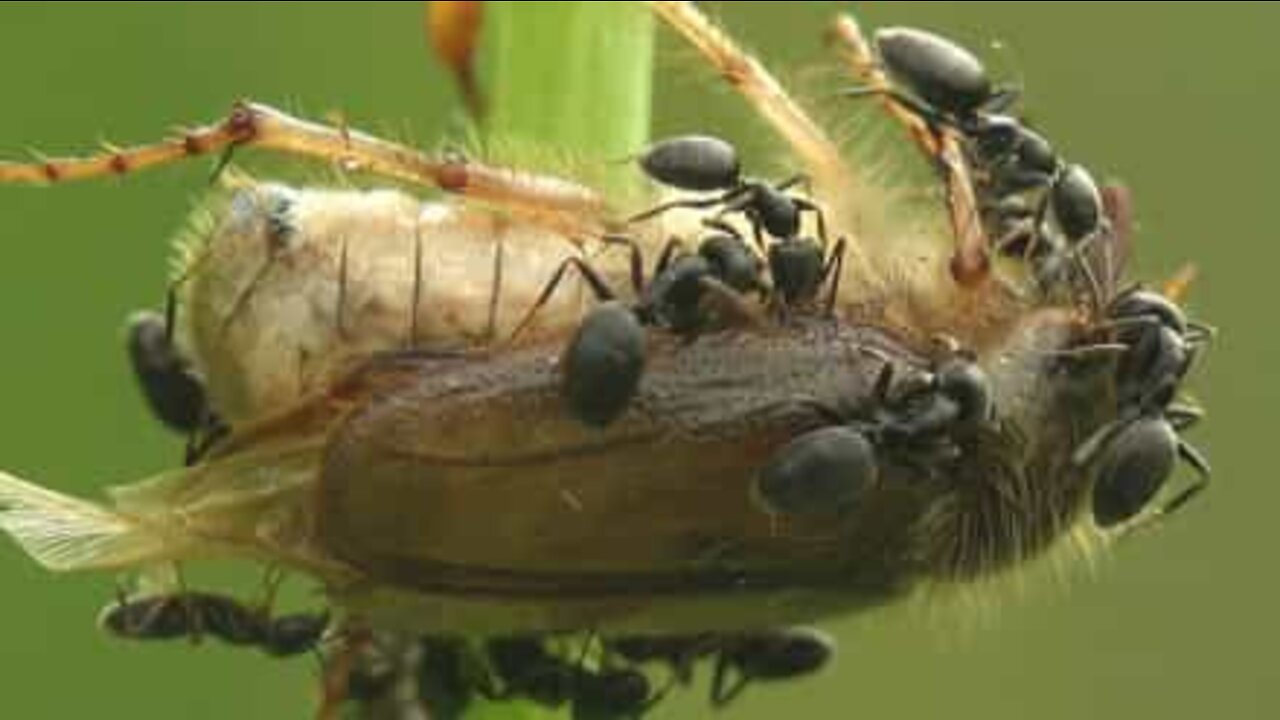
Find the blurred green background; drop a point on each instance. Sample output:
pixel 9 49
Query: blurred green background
pixel 1174 98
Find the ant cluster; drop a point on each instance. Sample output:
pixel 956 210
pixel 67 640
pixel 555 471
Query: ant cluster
pixel 1035 204
pixel 1051 213
pixel 553 672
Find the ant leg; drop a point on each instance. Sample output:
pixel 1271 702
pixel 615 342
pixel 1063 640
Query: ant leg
pixel 724 690
pixel 833 270
pixel 730 304
pixel 1021 240
pixel 1002 99
pixel 821 218
pixel 884 379
pixel 717 223
pixel 595 282
pixel 1183 417
pixel 746 75
pixel 1145 322
pixel 1087 451
pixel 542 199
pixel 1111 256
pixel 1201 465
pixel 1200 334
pixel 1080 257
pixel 272 578
pixel 635 260
pixel 1087 353
pixel 801 180
pixel 204 438
pixel 686 203
pixel 742 200
pixel 170 313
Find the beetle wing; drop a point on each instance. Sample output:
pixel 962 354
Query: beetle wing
pixel 470 476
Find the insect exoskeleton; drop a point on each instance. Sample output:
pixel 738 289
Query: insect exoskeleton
pixel 1030 201
pixel 280 288
pixel 603 362
pixel 196 614
pixel 384 486
pixel 823 471
pixel 1137 453
pixel 175 396
pixel 523 667
pixel 434 481
pixel 774 211
pixel 767 657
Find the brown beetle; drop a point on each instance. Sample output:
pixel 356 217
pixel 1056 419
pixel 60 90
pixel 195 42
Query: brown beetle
pixel 452 491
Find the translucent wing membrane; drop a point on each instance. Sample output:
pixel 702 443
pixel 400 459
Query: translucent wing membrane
pixel 63 533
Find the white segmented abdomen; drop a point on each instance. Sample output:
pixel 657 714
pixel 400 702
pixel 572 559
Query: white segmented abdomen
pixel 271 305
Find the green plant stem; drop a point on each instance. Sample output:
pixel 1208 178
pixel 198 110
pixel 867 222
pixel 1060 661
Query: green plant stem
pixel 573 76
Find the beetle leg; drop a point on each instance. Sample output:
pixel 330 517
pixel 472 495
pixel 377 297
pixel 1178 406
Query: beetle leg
pixel 339 661
pixel 748 76
pixel 541 199
pixel 857 52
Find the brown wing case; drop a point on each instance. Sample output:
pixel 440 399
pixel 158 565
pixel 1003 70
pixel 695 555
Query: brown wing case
pixel 466 475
